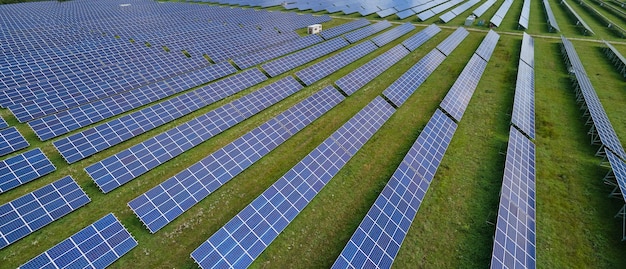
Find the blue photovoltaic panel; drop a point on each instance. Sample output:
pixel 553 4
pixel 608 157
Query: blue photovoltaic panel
pixel 447 46
pixel 39 208
pixel 483 8
pixel 245 236
pixel 403 87
pixel 23 168
pixel 3 123
pixel 162 204
pixel 393 34
pixel 415 41
pixel 11 140
pixel 552 24
pixel 386 12
pixel 528 50
pixel 344 28
pixel 289 62
pixel 96 246
pixel 376 241
pixel 91 141
pixel 252 59
pixel 460 94
pixel 579 20
pixel 619 170
pixel 514 244
pixel 488 45
pixel 356 79
pixel 448 16
pixel 328 66
pixel 523 115
pixel 405 14
pixel 128 164
pixel 499 16
pixel 364 32
pixel 523 19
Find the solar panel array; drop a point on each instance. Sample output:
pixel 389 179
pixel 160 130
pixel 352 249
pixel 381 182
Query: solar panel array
pixel 366 31
pixel 128 164
pixel 335 62
pixel 440 6
pixel 616 57
pixel 552 24
pixel 523 19
pixel 289 62
pixel 499 16
pixel 21 169
pixel 393 34
pixel 483 8
pixel 39 208
pixel 514 245
pixel 11 140
pixel 523 116
pixel 579 21
pixel 252 59
pixel 415 41
pixel 344 28
pixel 3 123
pixel 400 90
pixel 610 24
pixel 96 246
pixel 602 131
pixel 376 241
pixel 163 203
pixel 93 140
pixel 244 237
pixel 448 16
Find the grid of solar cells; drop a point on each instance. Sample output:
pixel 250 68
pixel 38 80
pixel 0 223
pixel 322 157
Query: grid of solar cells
pixel 252 59
pixel 128 164
pixel 449 44
pixel 552 24
pixel 39 208
pixel 162 204
pixel 460 94
pixel 483 8
pixel 96 246
pixel 366 31
pixel 438 9
pixel 91 141
pixel 289 62
pixel 528 50
pixel 405 14
pixel 523 115
pixel 621 32
pixel 514 244
pixel 488 45
pixel 328 66
pixel 448 16
pixel 245 236
pixel 618 168
pixel 344 28
pixel 523 19
pixel 427 5
pixel 579 20
pixel 11 140
pixel 393 34
pixel 386 12
pixel 3 123
pixel 378 238
pixel 616 57
pixel 415 41
pixel 21 169
pixel 38 108
pixel 356 79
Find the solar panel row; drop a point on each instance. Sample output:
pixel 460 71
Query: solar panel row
pixel 449 44
pixel 21 169
pixel 616 57
pixel 501 13
pixel 344 28
pixel 11 140
pixel 252 59
pixel 39 208
pixel 162 204
pixel 289 62
pixel 523 19
pixel 91 141
pixel 377 240
pixel 440 7
pixel 415 41
pixel 244 237
pixel 483 8
pixel 393 34
pixel 523 116
pixel 459 96
pixel 96 246
pixel 552 24
pixel 366 31
pixel 128 164
pixel 448 16
pixel 579 21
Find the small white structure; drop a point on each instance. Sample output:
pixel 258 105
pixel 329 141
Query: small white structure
pixel 314 29
pixel 470 20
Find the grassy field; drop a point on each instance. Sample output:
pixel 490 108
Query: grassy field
pixel 454 227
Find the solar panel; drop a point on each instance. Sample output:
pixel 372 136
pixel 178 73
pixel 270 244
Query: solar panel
pixel 483 8
pixel 552 24
pixel 523 116
pixel 618 168
pixel 96 246
pixel 21 169
pixel 425 15
pixel 393 34
pixel 162 204
pixel 386 12
pixel 528 50
pixel 460 94
pixel 499 16
pixel 244 237
pixel 289 62
pixel 344 28
pixel 3 123
pixel 514 244
pixel 415 41
pixel 11 140
pixel 369 30
pixel 252 59
pixel 405 14
pixel 328 66
pixel 523 19
pixel 448 16
pixel 129 164
pixel 449 44
pixel 579 21
pixel 488 45
pixel 377 240
pixel 39 208
pixel 616 57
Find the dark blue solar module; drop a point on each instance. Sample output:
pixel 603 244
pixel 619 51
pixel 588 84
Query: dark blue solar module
pixel 527 55
pixel 39 208
pixel 552 24
pixel 405 14
pixel 91 141
pixel 96 246
pixel 393 34
pixel 377 240
pixel 460 94
pixel 403 87
pixel 11 140
pixel 165 202
pixel 488 45
pixel 344 28
pixel 415 41
pixel 289 62
pixel 356 79
pixel 328 66
pixel 447 46
pixel 514 244
pixel 499 16
pixel 366 31
pixel 128 164
pixel 523 116
pixel 252 59
pixel 523 19
pixel 23 168
pixel 245 236
pixel 483 8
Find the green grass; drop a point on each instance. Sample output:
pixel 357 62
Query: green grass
pixel 454 227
